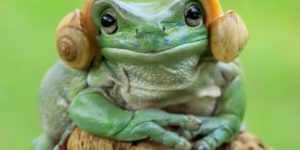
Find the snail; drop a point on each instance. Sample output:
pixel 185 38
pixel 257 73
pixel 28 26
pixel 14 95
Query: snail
pixel 76 38
pixel 77 46
pixel 228 33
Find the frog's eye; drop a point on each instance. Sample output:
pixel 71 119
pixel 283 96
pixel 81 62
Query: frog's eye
pixel 193 16
pixel 109 22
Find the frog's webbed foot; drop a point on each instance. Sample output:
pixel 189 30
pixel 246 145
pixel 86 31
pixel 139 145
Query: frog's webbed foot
pixel 139 128
pixel 214 139
pixel 214 132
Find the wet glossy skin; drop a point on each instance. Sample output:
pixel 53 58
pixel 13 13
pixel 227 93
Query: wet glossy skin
pixel 156 71
pixel 148 27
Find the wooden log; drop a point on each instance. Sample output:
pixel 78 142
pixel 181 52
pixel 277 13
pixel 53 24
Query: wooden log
pixel 80 140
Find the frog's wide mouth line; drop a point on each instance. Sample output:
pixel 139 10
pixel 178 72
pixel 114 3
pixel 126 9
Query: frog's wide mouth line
pixel 186 49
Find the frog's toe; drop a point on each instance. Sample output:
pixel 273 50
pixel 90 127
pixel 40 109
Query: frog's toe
pixel 202 145
pixel 193 123
pixel 185 133
pixel 175 141
pixel 183 145
pixel 187 122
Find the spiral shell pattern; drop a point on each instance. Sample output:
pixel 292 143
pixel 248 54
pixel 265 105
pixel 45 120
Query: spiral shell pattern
pixel 67 49
pixel 72 43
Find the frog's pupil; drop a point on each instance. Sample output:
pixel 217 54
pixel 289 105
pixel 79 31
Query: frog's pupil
pixel 107 20
pixel 193 13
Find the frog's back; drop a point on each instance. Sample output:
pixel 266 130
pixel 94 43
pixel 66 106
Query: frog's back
pixel 59 86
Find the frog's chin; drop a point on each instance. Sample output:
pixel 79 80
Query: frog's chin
pixel 175 53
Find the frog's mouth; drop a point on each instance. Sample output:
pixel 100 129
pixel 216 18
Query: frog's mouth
pixel 174 53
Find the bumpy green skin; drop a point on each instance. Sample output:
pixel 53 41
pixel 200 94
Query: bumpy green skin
pixel 156 71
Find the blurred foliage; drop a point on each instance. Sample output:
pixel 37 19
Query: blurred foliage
pixel 271 63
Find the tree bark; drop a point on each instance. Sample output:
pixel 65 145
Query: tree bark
pixel 80 140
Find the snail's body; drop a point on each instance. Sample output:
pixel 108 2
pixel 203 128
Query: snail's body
pixel 155 71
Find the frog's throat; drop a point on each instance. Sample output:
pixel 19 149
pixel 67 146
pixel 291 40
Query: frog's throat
pixel 178 52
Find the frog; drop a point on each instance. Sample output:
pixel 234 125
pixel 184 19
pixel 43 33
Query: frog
pixel 132 69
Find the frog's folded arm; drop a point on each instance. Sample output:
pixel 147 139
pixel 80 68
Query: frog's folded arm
pixel 96 115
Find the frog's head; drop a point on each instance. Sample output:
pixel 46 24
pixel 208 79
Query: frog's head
pixel 140 28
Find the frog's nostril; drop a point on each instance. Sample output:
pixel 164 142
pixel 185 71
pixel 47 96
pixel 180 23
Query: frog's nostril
pixel 150 28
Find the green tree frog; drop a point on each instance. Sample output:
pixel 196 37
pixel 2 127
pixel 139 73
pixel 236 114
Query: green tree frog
pixel 130 69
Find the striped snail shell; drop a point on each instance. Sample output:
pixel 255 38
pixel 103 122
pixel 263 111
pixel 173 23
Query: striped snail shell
pixel 72 43
pixel 229 35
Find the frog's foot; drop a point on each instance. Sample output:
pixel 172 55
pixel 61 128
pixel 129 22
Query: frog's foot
pixel 213 140
pixel 139 128
pixel 214 132
pixel 159 134
pixel 42 143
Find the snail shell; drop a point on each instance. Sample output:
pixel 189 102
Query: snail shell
pixel 213 10
pixel 72 42
pixel 229 35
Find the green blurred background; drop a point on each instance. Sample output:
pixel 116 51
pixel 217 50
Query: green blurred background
pixel 271 63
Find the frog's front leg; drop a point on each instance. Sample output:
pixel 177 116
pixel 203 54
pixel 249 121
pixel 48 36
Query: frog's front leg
pixel 96 115
pixel 226 124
